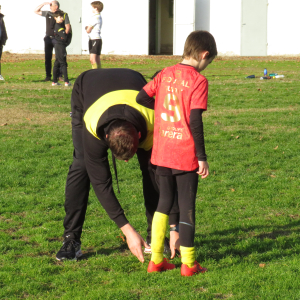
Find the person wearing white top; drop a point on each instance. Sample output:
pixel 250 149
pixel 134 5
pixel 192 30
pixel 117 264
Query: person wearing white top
pixel 94 32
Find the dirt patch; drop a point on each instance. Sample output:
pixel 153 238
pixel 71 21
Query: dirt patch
pixel 17 115
pixel 8 57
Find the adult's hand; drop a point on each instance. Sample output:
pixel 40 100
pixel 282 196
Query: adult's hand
pixel 174 243
pixel 134 241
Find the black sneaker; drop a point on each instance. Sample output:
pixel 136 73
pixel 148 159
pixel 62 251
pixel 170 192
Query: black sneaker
pixel 48 78
pixel 70 250
pixel 167 249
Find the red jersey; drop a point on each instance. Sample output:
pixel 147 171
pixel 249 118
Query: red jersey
pixel 178 89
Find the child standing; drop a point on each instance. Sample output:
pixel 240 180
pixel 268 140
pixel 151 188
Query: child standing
pixel 94 31
pixel 62 41
pixel 178 146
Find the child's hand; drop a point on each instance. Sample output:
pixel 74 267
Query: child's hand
pixel 203 169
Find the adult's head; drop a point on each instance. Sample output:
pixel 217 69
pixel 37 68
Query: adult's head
pixel 197 42
pixel 54 6
pixel 98 5
pixel 123 139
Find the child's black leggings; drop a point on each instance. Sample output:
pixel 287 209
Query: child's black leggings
pixel 60 62
pixel 186 184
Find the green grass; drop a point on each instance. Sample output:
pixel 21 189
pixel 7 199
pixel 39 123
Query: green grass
pixel 248 220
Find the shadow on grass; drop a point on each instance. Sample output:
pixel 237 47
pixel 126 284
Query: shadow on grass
pixel 241 242
pixel 95 251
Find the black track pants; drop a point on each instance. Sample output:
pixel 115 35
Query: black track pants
pixel 60 62
pixel 49 46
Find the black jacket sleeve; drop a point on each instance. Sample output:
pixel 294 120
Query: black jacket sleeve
pixel 196 125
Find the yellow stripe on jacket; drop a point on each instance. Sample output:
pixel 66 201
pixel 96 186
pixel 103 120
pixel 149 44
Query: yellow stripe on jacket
pixel 127 97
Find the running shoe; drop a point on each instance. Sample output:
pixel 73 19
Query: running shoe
pixel 186 271
pixel 70 250
pixel 55 83
pixel 68 84
pixel 1 77
pixel 163 266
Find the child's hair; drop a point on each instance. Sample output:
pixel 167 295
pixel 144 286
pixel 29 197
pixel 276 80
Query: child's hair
pixel 58 13
pixel 199 41
pixel 98 5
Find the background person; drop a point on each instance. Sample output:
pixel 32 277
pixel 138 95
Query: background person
pixel 94 32
pixel 106 116
pixel 178 146
pixel 62 40
pixel 3 38
pixel 49 38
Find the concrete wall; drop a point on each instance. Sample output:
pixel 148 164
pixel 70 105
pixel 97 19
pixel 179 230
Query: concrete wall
pixel 202 15
pixel 283 27
pixel 124 29
pixel 125 26
pixel 225 25
pixel 25 29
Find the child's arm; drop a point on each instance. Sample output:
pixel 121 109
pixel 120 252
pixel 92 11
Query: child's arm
pixel 145 100
pixel 145 96
pixel 196 126
pixel 88 29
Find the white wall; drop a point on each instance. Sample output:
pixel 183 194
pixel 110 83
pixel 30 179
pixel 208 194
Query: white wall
pixel 125 28
pixel 25 29
pixel 225 25
pixel 283 27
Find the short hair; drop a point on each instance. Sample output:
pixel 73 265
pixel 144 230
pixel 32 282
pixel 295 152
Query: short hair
pixel 199 41
pixel 98 5
pixel 58 13
pixel 122 139
pixel 57 3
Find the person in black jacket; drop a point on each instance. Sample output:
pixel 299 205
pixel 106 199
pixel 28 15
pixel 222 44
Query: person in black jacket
pixel 49 38
pixel 105 116
pixel 3 38
pixel 62 41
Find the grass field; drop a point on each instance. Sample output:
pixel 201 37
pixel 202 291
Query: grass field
pixel 248 219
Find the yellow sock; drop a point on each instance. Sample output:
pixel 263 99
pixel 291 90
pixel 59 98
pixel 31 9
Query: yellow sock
pixel 158 234
pixel 94 66
pixel 187 255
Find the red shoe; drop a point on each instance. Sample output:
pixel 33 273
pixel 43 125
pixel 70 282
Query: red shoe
pixel 186 271
pixel 163 266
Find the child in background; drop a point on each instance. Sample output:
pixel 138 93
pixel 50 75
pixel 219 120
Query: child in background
pixel 94 31
pixel 62 41
pixel 178 146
